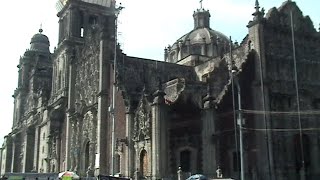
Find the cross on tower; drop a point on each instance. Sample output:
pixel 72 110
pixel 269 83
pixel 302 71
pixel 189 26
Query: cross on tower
pixel 40 30
pixel 201 4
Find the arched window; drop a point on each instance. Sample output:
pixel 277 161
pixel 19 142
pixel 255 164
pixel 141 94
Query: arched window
pixel 86 158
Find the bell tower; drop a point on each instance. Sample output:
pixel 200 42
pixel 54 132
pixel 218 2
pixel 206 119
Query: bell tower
pixel 78 21
pixel 77 16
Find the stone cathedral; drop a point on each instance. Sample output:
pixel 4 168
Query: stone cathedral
pixel 185 113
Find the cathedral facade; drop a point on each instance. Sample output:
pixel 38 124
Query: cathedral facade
pixel 211 104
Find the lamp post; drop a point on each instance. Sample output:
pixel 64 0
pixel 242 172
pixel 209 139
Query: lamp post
pixel 239 121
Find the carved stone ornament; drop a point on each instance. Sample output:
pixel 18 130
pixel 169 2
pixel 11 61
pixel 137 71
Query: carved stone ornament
pixel 173 90
pixel 142 120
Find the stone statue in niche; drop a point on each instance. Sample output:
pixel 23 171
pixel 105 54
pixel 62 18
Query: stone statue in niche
pixel 219 173
pixel 146 129
pixel 135 130
pixel 54 148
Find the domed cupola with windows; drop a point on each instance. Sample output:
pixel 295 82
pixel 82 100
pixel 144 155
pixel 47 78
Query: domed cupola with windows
pixel 201 43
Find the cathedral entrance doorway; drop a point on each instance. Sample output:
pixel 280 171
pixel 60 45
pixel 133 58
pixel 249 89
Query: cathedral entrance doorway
pixel 185 160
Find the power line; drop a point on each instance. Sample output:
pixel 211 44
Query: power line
pixel 281 129
pixel 307 112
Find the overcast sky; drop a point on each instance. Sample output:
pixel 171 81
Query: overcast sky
pixel 145 28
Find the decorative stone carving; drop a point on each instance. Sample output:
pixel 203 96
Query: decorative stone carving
pixel 142 126
pixel 87 70
pixel 173 90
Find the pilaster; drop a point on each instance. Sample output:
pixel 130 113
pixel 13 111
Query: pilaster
pixel 208 118
pixel 36 149
pixel 15 153
pixel 159 136
pixel 129 148
pixel 72 79
pixel 102 156
pixel 73 142
pixel 67 164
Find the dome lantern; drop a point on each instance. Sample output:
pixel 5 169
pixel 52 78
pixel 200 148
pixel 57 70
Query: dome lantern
pixel 201 18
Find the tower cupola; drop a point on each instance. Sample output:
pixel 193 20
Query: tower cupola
pixel 40 42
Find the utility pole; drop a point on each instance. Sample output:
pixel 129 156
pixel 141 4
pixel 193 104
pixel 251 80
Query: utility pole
pixel 239 122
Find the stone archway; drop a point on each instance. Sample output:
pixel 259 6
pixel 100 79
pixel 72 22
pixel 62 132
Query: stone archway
pixel 187 159
pixel 144 163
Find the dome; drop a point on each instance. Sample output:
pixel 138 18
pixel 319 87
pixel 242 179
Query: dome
pixel 202 40
pixel 200 36
pixel 40 42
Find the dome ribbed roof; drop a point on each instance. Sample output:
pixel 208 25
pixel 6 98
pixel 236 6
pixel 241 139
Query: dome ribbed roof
pixel 198 36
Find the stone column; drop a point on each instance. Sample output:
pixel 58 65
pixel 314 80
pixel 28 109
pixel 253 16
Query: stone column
pixel 58 150
pixel 179 50
pixel 129 149
pixel 24 151
pixel 13 154
pixel 102 156
pixel 77 142
pixel 71 79
pixel 208 129
pixel 73 148
pixel 159 136
pixel 36 149
pixel 67 161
